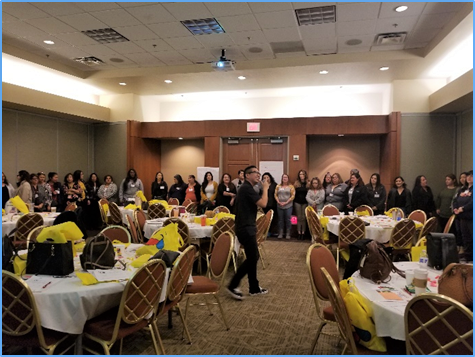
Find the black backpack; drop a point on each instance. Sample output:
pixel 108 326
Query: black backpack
pixel 98 253
pixel 441 250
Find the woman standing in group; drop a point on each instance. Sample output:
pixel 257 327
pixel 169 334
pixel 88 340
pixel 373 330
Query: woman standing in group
pixel 271 202
pixel 284 195
pixel 316 194
pixel 24 187
pixel 45 190
pixel 129 187
pixel 463 208
pixel 92 207
pixel 39 198
pixel 335 193
pixel 327 180
pixel 209 190
pixel 422 197
pixel 463 179
pixel 159 187
pixel 78 177
pixel 443 203
pixel 356 193
pixel 300 202
pixel 108 189
pixel 193 190
pixel 376 194
pixel 7 190
pixel 56 191
pixel 226 192
pixel 400 196
pixel 178 189
pixel 71 189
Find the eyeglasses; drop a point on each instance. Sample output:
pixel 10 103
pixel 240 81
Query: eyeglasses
pixel 255 172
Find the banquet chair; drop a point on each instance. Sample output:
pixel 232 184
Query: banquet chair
pixel 140 218
pixel 402 236
pixel 175 290
pixel 319 256
pixel 220 209
pixel 102 202
pixel 21 323
pixel 213 281
pixel 449 224
pixel 438 324
pixel 138 303
pixel 183 230
pixel 115 217
pixel 34 233
pixel 24 226
pixel 261 238
pixel 209 214
pixel 418 215
pixel 223 225
pixel 428 227
pixel 351 229
pixel 66 216
pixel 133 230
pixel 192 208
pixel 359 211
pixel 398 210
pixel 71 207
pixel 314 225
pixel 117 233
pixel 173 201
pixel 330 210
pixel 186 202
pixel 157 210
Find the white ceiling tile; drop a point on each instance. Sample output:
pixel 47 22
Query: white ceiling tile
pixel 269 6
pixel 409 46
pixel 387 48
pixel 405 24
pixel 248 37
pixel 51 25
pixel 357 11
pixel 59 8
pixel 139 32
pixel 232 53
pixel 133 4
pixel 151 14
pixel 315 31
pixel 413 9
pixel 365 41
pixel 228 8
pixel 215 40
pixel 76 39
pixel 170 29
pixel 125 47
pixel 442 7
pixel 8 18
pixel 354 49
pixel 183 43
pixel 23 10
pixel 266 53
pixel 154 45
pixel 144 59
pixel 172 58
pixel 278 19
pixel 433 21
pixel 38 37
pixel 364 27
pixel 19 28
pixel 118 17
pixel 69 52
pixel 239 23
pixel 98 50
pixel 290 54
pixel 83 22
pixel 322 43
pixel 188 11
pixel 282 35
pixel 198 55
pixel 96 6
pixel 306 5
pixel 421 36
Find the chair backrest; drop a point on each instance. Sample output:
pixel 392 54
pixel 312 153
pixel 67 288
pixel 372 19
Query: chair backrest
pixel 223 225
pixel 449 224
pixel 428 227
pixel 140 219
pixel 314 224
pixel 397 209
pixel 351 229
pixel 71 207
pixel 182 229
pixel 319 256
pixel 437 324
pixel 192 207
pixel 26 224
pixel 364 208
pixel 261 225
pixel 402 234
pixel 116 216
pixel 222 252
pixel 330 210
pixel 66 216
pixel 180 274
pixel 103 201
pixel 133 230
pixel 421 243
pixel 418 215
pixel 220 209
pixel 117 233
pixel 34 233
pixel 339 309
pixel 173 201
pixel 157 210
pixel 186 202
pixel 269 216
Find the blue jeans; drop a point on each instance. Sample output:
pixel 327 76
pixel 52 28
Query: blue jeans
pixel 284 219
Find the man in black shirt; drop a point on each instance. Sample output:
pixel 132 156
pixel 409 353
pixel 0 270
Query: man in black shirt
pixel 247 201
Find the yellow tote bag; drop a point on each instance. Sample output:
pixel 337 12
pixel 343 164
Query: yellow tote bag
pixel 18 203
pixel 171 238
pixel 140 195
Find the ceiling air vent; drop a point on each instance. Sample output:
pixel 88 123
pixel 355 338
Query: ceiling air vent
pixel 316 15
pixel 287 47
pixel 106 35
pixel 395 38
pixel 89 61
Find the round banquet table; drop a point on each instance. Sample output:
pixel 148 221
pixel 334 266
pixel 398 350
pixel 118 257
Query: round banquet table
pixel 9 220
pixel 196 230
pixel 388 315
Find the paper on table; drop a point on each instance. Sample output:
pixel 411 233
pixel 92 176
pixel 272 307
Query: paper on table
pixel 110 274
pixel 39 283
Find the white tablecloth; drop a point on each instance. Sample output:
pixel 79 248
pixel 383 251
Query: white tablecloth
pixel 388 315
pixel 196 230
pixel 380 227
pixel 9 221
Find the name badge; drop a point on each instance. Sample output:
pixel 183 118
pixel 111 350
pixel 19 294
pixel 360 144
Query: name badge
pixel 330 194
pixel 132 185
pixel 281 189
pixel 227 189
pixel 36 195
pixel 376 195
pixel 178 188
pixel 191 189
pixel 162 187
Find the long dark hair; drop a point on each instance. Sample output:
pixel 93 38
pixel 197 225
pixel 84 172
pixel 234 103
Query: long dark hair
pixel 158 172
pixel 358 177
pixel 179 179
pixel 272 180
pixel 319 183
pixel 130 178
pixel 378 179
pixel 403 182
pixel 299 182
pixel 324 181
pixel 90 183
pixel 66 178
pixel 77 176
pixel 24 176
pixel 205 181
pixel 417 183
pixel 6 181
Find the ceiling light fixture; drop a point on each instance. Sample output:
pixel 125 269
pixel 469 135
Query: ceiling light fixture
pixel 180 138
pixel 324 72
pixel 341 134
pixel 122 84
pixel 203 26
pixel 401 8
pixel 384 68
pixel 168 81
pixel 241 78
pixel 49 42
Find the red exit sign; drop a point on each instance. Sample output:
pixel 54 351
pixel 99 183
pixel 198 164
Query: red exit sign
pixel 253 127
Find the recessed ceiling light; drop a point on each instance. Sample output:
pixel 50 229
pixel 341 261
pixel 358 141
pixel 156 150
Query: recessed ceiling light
pixel 401 8
pixel 241 78
pixel 49 42
pixel 180 138
pixel 324 72
pixel 341 134
pixel 168 81
pixel 384 68
pixel 122 84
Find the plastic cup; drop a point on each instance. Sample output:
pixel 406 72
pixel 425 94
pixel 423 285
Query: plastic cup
pixel 350 213
pixel 409 277
pixel 53 209
pixel 420 280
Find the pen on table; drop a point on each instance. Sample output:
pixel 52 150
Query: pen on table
pixel 44 286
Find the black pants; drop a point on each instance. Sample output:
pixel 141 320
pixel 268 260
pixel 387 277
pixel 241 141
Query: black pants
pixel 249 266
pixel 466 226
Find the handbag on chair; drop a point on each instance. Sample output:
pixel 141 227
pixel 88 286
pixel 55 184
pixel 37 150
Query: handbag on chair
pixel 376 265
pixel 457 282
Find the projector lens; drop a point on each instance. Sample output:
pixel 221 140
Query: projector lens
pixel 220 64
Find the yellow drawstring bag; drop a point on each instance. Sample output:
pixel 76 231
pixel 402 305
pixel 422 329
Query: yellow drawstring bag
pixel 361 317
pixel 132 207
pixel 324 221
pixel 19 264
pixel 171 238
pixel 18 203
pixel 140 261
pixel 140 195
pixel 362 213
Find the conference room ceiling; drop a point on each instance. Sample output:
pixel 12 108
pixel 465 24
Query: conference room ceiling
pixel 265 40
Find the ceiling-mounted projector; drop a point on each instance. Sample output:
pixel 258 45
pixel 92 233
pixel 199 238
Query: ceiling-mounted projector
pixel 223 64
